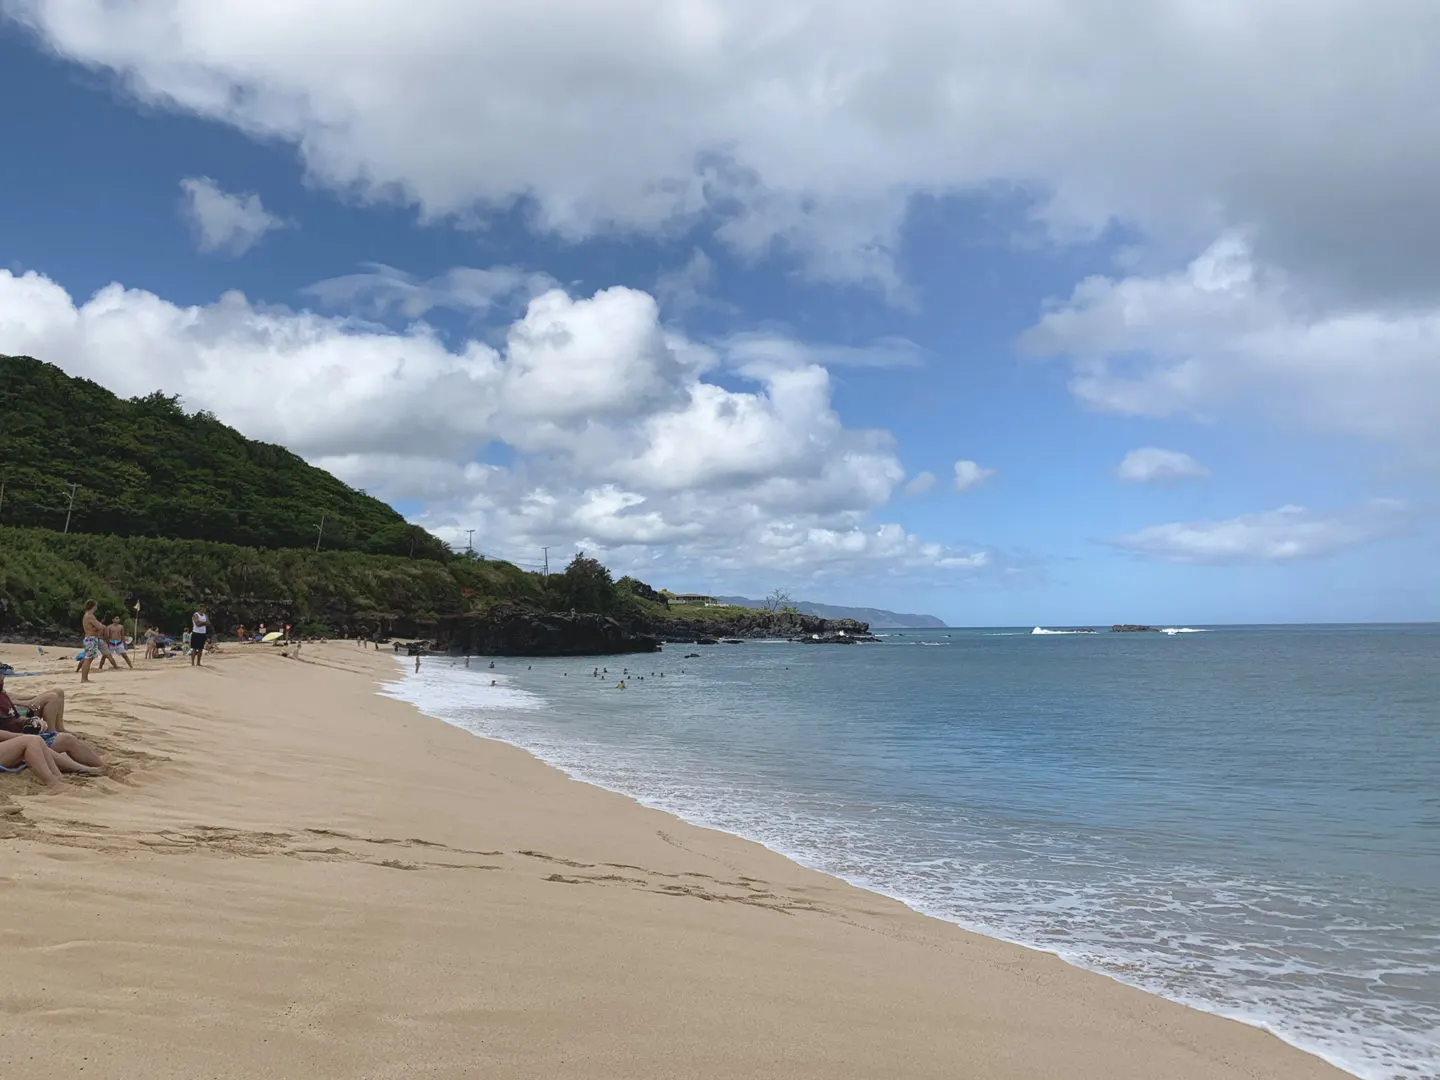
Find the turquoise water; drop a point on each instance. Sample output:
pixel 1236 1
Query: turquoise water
pixel 1245 819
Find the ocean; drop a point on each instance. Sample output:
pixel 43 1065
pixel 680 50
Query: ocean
pixel 1244 819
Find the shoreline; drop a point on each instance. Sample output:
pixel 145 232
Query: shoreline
pixel 801 860
pixel 291 872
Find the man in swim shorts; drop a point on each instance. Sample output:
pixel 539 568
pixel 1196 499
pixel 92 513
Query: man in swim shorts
pixel 116 632
pixel 96 643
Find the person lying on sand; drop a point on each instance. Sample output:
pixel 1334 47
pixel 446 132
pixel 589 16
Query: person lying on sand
pixel 18 722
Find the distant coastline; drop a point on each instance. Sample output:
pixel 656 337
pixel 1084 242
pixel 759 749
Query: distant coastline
pixel 876 618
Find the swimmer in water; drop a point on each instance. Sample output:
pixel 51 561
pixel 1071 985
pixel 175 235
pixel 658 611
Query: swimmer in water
pixel 492 682
pixel 620 685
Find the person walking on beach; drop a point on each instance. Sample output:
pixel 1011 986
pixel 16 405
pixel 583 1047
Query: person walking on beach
pixel 199 634
pixel 94 643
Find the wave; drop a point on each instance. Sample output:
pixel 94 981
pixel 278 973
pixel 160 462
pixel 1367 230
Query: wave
pixel 1182 630
pixel 1042 630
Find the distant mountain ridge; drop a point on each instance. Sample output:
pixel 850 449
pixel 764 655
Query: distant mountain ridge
pixel 878 618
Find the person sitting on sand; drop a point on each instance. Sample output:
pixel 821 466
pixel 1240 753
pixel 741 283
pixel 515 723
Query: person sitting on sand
pixel 18 722
pixel 48 705
pixel 30 751
pixel 117 643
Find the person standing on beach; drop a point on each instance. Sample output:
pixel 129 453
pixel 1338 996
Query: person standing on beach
pixel 94 643
pixel 116 634
pixel 199 634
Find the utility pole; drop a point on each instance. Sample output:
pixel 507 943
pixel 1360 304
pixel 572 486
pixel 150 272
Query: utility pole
pixel 547 563
pixel 71 507
pixel 470 541
pixel 321 535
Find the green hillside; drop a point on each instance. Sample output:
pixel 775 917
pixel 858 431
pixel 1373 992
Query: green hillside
pixel 45 579
pixel 144 467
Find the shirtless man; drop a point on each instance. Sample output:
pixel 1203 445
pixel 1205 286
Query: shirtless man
pixel 116 634
pixel 96 639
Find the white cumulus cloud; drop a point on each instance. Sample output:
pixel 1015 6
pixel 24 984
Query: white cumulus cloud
pixel 1288 534
pixel 812 125
pixel 1224 334
pixel 231 224
pixel 619 443
pixel 969 474
pixel 1151 465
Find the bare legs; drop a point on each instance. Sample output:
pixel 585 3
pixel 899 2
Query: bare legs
pixel 85 668
pixel 31 750
pixel 76 750
pixel 50 704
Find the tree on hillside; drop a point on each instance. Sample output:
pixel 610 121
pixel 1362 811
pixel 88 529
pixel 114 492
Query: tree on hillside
pixel 778 600
pixel 585 585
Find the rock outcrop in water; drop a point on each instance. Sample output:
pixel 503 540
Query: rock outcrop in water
pixel 509 630
pixel 1130 628
pixel 754 625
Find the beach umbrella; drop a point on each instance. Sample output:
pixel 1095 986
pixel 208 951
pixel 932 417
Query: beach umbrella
pixel 274 635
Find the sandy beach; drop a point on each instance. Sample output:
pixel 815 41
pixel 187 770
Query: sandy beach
pixel 285 874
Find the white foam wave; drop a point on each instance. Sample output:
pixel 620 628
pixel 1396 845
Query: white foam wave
pixel 1042 630
pixel 1182 630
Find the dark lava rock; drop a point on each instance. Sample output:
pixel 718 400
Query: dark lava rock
pixel 507 630
pixel 1130 628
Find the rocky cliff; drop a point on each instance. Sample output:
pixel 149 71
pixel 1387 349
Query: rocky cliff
pixel 752 625
pixel 508 630
pixel 512 630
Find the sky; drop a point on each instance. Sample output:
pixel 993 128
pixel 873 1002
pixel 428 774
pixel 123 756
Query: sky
pixel 1058 312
